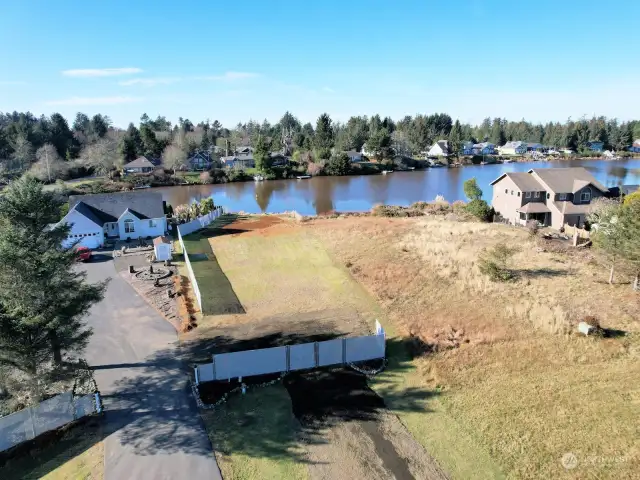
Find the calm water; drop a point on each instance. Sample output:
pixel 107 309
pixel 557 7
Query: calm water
pixel 360 193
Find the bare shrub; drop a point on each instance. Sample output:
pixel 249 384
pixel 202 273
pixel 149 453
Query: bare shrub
pixel 314 168
pixel 494 262
pixel 532 227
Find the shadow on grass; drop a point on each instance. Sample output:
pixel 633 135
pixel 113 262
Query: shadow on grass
pixel 51 450
pixel 543 273
pixel 149 411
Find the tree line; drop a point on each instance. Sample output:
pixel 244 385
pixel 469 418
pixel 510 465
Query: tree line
pixel 51 147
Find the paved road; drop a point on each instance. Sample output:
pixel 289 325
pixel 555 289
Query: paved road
pixel 154 429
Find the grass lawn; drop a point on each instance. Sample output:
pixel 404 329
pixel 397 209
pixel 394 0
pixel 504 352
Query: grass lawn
pixel 518 389
pixel 77 454
pixel 254 436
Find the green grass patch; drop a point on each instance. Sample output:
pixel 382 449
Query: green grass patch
pixel 255 436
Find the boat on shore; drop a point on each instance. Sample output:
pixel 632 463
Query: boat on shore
pixel 141 187
pixel 384 172
pixel 303 177
pixel 258 178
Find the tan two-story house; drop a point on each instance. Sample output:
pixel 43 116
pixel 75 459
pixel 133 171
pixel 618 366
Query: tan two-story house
pixel 552 196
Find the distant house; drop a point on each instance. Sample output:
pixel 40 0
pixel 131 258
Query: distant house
pixel 513 148
pixel 535 147
pixel 484 148
pixel 278 159
pixel 595 146
pixel 467 148
pixel 567 151
pixel 354 156
pixel 239 161
pixel 439 149
pixel 114 215
pixel 140 165
pixel 200 161
pixel 244 150
pixel 552 196
pixel 635 147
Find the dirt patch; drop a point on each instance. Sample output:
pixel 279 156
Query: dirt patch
pixel 347 429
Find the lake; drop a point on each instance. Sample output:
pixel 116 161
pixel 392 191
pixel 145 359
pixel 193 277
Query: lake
pixel 359 193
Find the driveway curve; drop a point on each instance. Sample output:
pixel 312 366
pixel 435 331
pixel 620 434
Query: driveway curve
pixel 153 427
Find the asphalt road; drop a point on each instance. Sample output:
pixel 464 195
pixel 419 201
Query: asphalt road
pixel 154 430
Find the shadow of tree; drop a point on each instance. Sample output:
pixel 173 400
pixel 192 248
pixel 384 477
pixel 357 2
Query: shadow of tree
pixel 152 410
pixel 543 272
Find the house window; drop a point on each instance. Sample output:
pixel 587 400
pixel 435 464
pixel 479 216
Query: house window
pixel 518 193
pixel 527 195
pixel 537 195
pixel 506 190
pixel 562 196
pixel 523 216
pixel 511 192
pixel 548 196
pixel 128 226
pixel 152 224
pixel 586 196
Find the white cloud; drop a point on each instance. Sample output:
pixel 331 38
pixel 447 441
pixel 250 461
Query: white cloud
pixel 229 76
pixel 328 90
pixel 149 82
pixel 89 101
pixel 12 82
pixel 100 72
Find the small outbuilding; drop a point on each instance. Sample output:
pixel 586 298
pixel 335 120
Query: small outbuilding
pixel 162 248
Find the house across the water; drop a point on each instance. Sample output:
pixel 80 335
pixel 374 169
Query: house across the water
pixel 439 149
pixel 552 196
pixel 119 216
pixel 140 165
pixel 513 148
pixel 635 148
pixel 595 146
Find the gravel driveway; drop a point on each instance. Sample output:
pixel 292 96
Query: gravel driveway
pixel 155 431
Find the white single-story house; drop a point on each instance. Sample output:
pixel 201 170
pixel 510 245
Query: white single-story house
pixel 162 248
pixel 119 216
pixel 439 149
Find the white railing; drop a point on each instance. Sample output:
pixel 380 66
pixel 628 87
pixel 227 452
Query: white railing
pixel 186 229
pixel 340 351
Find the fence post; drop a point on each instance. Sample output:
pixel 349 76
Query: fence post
pixel 316 355
pixel 195 371
pixel 98 403
pixel 33 425
pixel 288 357
pixel 344 351
pixel 213 361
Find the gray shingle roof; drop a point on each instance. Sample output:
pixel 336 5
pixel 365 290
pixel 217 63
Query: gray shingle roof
pixel 567 180
pixel 108 207
pixel 524 181
pixel 140 162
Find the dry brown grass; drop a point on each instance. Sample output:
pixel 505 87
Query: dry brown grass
pixel 520 384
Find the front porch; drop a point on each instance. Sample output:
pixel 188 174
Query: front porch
pixel 534 211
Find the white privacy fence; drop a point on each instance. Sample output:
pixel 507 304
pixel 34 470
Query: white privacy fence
pixel 339 351
pixel 186 229
pixel 48 415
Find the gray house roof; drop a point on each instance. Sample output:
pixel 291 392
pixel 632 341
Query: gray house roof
pixel 514 144
pixel 108 207
pixel 524 181
pixel 140 162
pixel 565 180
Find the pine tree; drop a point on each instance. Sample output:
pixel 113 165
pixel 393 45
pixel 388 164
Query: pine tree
pixel 39 283
pixel 323 138
pixel 261 154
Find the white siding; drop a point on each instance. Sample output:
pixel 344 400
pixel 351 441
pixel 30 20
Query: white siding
pixel 506 204
pixel 83 230
pixel 163 251
pixel 142 228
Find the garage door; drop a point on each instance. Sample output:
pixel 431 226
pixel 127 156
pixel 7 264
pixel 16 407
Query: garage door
pixel 91 240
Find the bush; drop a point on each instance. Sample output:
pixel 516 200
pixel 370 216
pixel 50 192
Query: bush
pixel 532 227
pixel 495 262
pixel 205 178
pixel 238 176
pixel 338 164
pixel 394 211
pixel 479 209
pixel 315 169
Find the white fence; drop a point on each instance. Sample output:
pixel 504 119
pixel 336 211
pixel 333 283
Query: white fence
pixel 186 229
pixel 295 357
pixel 48 415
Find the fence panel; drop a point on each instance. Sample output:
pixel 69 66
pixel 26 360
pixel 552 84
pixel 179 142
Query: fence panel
pixel 206 373
pixel 359 349
pixel 330 352
pixel 15 428
pixel 48 415
pixel 302 356
pixel 250 362
pixel 53 413
pixel 84 406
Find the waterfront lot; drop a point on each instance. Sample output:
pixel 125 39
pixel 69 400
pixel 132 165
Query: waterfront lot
pixel 518 388
pixel 287 289
pixel 488 378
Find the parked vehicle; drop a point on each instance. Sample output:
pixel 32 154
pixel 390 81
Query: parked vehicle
pixel 84 254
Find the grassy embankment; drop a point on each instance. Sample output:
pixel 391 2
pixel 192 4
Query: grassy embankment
pixel 519 388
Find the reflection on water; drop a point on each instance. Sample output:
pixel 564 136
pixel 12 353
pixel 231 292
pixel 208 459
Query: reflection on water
pixel 360 193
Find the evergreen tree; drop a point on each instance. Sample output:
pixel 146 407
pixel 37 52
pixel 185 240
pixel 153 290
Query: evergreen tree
pixel 455 138
pixel 323 138
pixel 131 146
pixel 40 285
pixel 261 154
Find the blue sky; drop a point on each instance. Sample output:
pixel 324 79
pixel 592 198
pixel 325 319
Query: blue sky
pixel 232 61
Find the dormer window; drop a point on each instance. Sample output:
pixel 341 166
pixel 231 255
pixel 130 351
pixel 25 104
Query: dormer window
pixel 527 195
pixel 586 196
pixel 562 196
pixel 537 195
